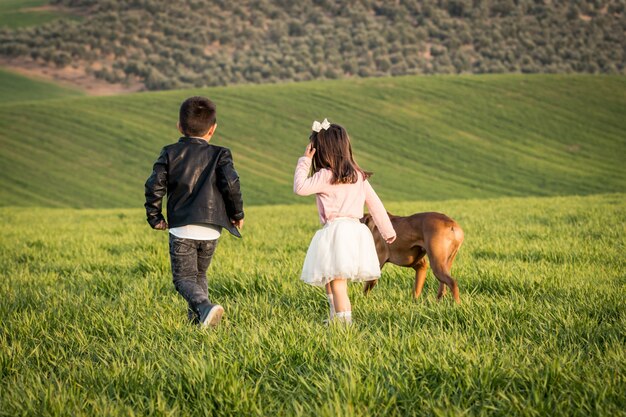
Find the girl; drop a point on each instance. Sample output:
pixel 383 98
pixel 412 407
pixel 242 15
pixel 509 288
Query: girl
pixel 343 250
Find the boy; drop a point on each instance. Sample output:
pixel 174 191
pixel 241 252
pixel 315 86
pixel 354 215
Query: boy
pixel 203 196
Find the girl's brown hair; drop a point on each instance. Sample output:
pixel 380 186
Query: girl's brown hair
pixel 333 151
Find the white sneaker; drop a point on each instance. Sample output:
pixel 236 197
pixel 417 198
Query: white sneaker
pixel 214 316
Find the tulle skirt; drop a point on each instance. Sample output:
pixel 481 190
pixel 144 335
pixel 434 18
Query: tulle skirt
pixel 343 248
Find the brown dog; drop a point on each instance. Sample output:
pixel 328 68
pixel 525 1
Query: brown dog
pixel 432 234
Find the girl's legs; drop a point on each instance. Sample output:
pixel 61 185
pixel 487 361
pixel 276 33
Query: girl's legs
pixel 331 302
pixel 343 309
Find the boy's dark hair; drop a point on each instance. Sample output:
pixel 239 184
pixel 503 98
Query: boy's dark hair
pixel 333 151
pixel 197 115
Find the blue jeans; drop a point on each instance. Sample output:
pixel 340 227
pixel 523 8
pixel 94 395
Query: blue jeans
pixel 190 260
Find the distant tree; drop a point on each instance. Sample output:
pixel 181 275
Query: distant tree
pixel 459 8
pixel 296 28
pixel 438 50
pixel 62 59
pixel 503 8
pixel 528 65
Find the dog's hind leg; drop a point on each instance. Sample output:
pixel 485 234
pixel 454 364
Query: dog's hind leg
pixel 421 268
pixel 439 249
pixel 440 266
pixel 442 284
pixel 454 249
pixel 444 277
pixel 442 291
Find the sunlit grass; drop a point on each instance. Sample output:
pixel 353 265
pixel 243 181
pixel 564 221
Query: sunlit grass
pixel 16 88
pixel 91 324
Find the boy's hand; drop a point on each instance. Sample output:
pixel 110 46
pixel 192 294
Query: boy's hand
pixel 162 225
pixel 237 223
pixel 309 151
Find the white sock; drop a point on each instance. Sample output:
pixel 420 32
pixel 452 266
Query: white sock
pixel 331 305
pixel 344 317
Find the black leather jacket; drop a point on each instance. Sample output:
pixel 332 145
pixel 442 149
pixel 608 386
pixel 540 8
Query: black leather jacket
pixel 201 183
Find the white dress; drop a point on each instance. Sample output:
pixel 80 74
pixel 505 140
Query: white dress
pixel 343 248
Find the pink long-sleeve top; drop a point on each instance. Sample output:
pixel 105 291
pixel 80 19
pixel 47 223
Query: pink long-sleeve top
pixel 340 200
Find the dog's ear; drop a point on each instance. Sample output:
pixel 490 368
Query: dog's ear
pixel 364 219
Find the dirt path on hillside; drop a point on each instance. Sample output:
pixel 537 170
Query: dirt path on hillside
pixel 70 76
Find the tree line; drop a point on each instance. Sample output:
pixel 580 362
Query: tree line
pixel 194 43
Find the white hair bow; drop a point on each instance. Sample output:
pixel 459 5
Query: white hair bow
pixel 317 126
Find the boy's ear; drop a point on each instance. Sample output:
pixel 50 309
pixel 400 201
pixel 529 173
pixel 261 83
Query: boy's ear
pixel 180 129
pixel 212 129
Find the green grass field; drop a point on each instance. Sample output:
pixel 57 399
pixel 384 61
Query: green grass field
pixel 426 138
pixel 22 13
pixel 532 167
pixel 16 88
pixel 91 324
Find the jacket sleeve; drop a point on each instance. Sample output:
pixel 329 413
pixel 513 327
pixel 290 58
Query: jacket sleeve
pixel 305 185
pixel 155 189
pixel 378 212
pixel 228 185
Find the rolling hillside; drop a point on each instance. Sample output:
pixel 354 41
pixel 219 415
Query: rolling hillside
pixel 426 138
pixel 15 87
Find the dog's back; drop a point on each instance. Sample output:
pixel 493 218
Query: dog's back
pixel 418 229
pixel 436 224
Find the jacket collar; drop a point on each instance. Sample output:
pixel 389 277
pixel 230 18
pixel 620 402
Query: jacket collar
pixel 191 139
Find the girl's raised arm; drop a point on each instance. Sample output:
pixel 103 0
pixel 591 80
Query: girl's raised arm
pixel 379 214
pixel 307 186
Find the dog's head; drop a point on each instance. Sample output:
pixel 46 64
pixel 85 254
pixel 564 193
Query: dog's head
pixel 367 219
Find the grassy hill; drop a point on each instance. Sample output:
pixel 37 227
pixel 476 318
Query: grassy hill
pixel 15 87
pixel 21 13
pixel 426 138
pixel 91 324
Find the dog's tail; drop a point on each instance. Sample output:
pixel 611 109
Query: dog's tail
pixel 458 236
pixel 458 233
